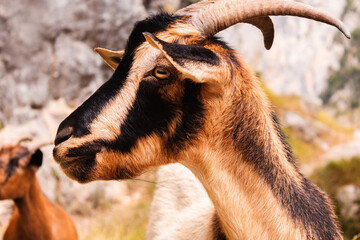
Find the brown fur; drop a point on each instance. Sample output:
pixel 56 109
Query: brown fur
pixel 234 145
pixel 34 216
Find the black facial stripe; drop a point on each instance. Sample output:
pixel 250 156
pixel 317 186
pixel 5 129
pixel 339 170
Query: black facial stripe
pixel 292 196
pixel 181 53
pixel 10 170
pixel 192 118
pixel 82 117
pixel 13 164
pixel 149 114
pixel 152 114
pixel 87 149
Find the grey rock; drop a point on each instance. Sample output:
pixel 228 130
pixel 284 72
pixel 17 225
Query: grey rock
pixel 349 196
pixel 46 50
pixel 155 6
pixel 303 127
pixel 75 67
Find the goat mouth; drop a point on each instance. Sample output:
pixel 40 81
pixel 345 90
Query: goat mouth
pixel 71 162
pixel 78 168
pixel 70 155
pixel 66 161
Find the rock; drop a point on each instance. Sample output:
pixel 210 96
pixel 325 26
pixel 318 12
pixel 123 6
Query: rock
pixel 349 197
pixel 343 151
pixel 302 127
pixel 156 6
pixel 46 50
pixel 35 129
pixel 70 73
pixel 341 99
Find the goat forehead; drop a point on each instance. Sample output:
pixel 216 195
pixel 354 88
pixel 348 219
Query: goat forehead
pixel 9 153
pixel 9 160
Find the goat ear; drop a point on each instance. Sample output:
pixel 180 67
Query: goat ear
pixel 36 159
pixel 112 58
pixel 195 62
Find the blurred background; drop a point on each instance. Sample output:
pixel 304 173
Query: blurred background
pixel 48 68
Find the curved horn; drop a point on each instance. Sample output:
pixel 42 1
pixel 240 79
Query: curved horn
pixel 264 23
pixel 40 145
pixel 24 139
pixel 266 26
pixel 217 15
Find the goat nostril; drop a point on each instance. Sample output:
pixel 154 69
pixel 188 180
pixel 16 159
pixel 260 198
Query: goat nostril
pixel 63 135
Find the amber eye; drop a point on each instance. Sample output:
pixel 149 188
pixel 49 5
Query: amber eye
pixel 161 73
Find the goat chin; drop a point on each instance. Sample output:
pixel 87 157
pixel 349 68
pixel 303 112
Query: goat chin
pixel 181 208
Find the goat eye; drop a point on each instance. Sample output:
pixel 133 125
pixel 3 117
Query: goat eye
pixel 161 73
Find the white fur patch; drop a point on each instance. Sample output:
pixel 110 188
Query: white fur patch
pixel 181 208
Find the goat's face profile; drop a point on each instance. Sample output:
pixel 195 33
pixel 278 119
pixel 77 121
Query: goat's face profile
pixel 160 99
pixel 149 108
pixel 17 169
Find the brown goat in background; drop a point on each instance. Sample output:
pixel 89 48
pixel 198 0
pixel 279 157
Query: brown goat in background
pixel 178 94
pixel 34 216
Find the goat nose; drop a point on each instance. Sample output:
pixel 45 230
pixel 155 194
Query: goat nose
pixel 63 135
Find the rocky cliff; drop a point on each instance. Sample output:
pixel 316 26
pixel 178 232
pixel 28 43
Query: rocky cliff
pixel 46 49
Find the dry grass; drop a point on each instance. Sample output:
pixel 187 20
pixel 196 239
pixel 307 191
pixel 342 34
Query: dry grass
pixel 125 224
pixel 334 176
pixel 332 123
pixel 304 151
pixel 121 222
pixel 284 102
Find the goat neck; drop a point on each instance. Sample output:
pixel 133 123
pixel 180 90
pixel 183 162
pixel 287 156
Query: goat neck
pixel 31 212
pixel 250 174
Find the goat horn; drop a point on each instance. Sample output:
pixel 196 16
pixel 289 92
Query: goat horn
pixel 24 139
pixel 264 23
pixel 210 17
pixel 40 145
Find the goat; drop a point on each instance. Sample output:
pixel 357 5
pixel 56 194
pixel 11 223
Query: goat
pixel 178 94
pixel 34 216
